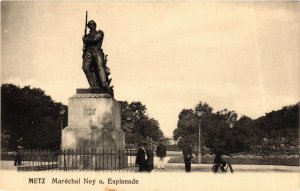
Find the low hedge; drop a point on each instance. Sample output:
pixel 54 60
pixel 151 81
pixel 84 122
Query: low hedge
pixel 253 160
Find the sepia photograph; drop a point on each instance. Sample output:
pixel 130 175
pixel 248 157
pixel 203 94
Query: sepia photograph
pixel 150 95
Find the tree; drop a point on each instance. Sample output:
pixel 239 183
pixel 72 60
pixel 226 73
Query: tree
pixel 136 124
pixel 29 113
pixel 5 138
pixel 223 131
pixel 243 130
pixel 188 124
pixel 280 128
pixel 220 131
pixel 217 129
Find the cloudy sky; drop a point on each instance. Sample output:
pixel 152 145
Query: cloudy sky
pixel 242 56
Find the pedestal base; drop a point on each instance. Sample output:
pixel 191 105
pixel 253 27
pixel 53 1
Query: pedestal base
pixel 94 128
pixel 93 140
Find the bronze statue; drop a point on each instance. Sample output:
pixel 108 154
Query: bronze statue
pixel 94 60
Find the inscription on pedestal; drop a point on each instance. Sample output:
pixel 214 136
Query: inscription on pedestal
pixel 89 111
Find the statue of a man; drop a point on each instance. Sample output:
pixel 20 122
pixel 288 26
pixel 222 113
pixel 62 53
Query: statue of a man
pixel 94 61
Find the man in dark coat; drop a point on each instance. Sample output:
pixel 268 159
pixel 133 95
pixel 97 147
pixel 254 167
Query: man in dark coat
pixel 142 158
pixel 187 156
pixel 150 159
pixel 161 153
pixel 18 159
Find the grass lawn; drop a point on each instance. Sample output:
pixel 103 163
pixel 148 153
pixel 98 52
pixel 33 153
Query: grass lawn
pixel 254 160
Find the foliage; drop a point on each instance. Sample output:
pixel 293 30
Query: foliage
pixel 216 132
pixel 286 160
pixel 276 132
pixel 186 131
pixel 29 113
pixel 136 124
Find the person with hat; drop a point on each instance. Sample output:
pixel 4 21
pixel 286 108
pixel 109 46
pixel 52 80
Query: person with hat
pixel 187 156
pixel 161 153
pixel 18 159
pixel 142 157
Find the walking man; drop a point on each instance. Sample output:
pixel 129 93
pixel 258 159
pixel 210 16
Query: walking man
pixel 18 159
pixel 161 153
pixel 187 156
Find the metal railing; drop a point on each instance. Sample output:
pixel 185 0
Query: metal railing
pixel 70 160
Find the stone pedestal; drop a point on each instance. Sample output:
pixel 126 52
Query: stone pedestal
pixel 94 125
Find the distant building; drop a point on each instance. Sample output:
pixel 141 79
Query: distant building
pixel 170 141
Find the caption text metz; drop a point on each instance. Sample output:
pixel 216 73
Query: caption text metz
pixel 83 181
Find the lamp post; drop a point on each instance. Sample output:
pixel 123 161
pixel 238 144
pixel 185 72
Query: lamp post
pixel 199 114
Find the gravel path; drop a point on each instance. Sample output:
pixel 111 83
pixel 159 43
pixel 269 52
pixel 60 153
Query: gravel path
pixel 177 167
